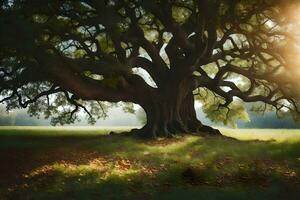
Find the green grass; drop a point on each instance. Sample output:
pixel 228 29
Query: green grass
pixel 87 163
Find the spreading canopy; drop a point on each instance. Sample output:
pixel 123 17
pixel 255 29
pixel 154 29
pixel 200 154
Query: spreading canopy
pixel 58 57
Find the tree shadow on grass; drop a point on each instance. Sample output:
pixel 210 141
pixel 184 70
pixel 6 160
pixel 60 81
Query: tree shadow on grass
pixel 118 167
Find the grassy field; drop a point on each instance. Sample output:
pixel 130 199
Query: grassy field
pixel 87 163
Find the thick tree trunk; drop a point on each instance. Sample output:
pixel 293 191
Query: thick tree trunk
pixel 172 113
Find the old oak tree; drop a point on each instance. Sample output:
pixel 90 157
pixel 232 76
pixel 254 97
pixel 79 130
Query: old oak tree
pixel 60 57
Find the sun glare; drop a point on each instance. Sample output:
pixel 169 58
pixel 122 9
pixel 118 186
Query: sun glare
pixel 292 47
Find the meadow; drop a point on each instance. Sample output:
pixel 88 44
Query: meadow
pixel 88 163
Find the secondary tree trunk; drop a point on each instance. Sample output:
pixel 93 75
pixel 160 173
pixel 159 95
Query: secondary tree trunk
pixel 170 113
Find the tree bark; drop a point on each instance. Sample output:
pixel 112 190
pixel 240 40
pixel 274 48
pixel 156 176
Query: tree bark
pixel 170 113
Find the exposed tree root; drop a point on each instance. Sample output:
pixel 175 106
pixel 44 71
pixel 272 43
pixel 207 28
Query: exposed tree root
pixel 150 132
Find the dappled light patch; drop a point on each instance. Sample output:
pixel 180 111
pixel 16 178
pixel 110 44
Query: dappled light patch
pixel 98 163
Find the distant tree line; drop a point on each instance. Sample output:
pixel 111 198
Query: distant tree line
pixel 268 120
pixel 19 118
pixel 22 118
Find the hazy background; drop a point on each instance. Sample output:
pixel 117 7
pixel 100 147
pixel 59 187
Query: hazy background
pixel 117 117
